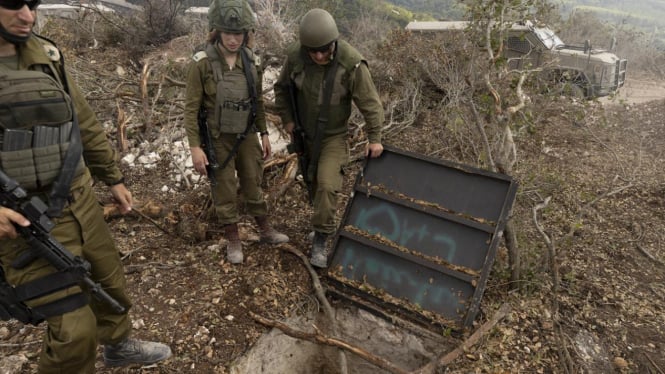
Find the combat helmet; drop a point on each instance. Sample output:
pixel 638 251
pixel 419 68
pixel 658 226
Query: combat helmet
pixel 232 16
pixel 317 29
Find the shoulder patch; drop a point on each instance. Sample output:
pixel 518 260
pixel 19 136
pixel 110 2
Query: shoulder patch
pixel 52 52
pixel 200 55
pixel 257 60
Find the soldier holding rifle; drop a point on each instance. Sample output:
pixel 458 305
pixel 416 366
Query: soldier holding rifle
pixel 224 81
pixel 52 145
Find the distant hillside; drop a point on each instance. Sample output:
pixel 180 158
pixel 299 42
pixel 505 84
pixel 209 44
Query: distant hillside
pixel 648 15
pixel 433 9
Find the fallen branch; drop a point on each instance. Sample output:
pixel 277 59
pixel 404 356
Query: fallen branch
pixel 111 210
pixel 649 255
pixel 14 345
pixel 140 213
pixel 322 339
pixel 562 349
pixel 654 364
pixel 288 179
pixel 279 160
pixel 468 343
pixel 321 295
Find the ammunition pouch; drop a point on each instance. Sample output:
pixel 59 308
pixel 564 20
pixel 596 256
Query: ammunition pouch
pixel 241 106
pixel 35 157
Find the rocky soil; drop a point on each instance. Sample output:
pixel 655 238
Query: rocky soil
pixel 591 197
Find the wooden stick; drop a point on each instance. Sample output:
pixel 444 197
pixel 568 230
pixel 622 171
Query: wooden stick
pixel 140 213
pixel 322 339
pixel 431 367
pixel 660 371
pixel 279 160
pixel 321 295
pixel 649 255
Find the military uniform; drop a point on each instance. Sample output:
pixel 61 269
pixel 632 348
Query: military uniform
pixel 352 84
pixel 71 341
pixel 202 89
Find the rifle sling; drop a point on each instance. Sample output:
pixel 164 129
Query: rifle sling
pixel 60 190
pixel 59 194
pixel 13 301
pixel 322 121
pixel 59 307
pixel 46 285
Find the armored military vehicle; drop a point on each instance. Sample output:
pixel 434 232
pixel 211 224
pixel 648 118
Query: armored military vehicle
pixel 580 69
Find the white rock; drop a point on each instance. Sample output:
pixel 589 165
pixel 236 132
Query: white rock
pixel 138 324
pixel 129 159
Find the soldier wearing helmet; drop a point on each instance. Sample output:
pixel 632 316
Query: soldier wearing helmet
pixel 224 83
pixel 76 323
pixel 325 75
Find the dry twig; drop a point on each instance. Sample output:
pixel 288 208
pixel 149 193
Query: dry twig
pixel 660 371
pixel 649 255
pixel 155 223
pixel 123 120
pixel 322 339
pixel 321 295
pixel 564 355
pixel 468 343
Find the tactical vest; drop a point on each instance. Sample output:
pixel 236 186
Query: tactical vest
pixel 233 102
pixel 36 120
pixel 37 126
pixel 348 60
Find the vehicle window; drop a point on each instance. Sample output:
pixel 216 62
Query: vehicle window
pixel 519 44
pixel 548 37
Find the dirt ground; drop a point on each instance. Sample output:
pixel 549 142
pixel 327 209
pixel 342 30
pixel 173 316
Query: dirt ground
pixel 600 163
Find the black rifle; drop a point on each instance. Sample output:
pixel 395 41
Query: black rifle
pixel 43 244
pixel 297 144
pixel 206 144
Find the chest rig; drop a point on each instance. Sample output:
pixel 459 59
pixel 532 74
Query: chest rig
pixel 40 141
pixel 235 99
pixel 40 147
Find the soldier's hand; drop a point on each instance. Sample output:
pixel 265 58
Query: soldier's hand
pixel 199 160
pixel 374 150
pixel 267 149
pixel 123 197
pixel 7 219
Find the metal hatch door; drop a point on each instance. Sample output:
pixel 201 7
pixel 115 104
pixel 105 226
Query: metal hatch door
pixel 419 237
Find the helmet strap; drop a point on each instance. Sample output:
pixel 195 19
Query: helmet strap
pixel 245 38
pixel 15 39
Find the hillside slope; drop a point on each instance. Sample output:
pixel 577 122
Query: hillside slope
pixel 598 308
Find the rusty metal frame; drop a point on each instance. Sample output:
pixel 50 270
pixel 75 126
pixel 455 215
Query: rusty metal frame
pixel 429 275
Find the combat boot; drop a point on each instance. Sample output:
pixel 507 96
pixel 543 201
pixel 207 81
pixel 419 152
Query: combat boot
pixel 233 246
pixel 134 351
pixel 268 233
pixel 319 256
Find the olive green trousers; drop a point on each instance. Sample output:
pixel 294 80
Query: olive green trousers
pixel 70 343
pixel 329 178
pixel 246 167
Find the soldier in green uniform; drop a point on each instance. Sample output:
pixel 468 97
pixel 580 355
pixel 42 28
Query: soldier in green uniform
pixel 75 327
pixel 225 80
pixel 328 75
